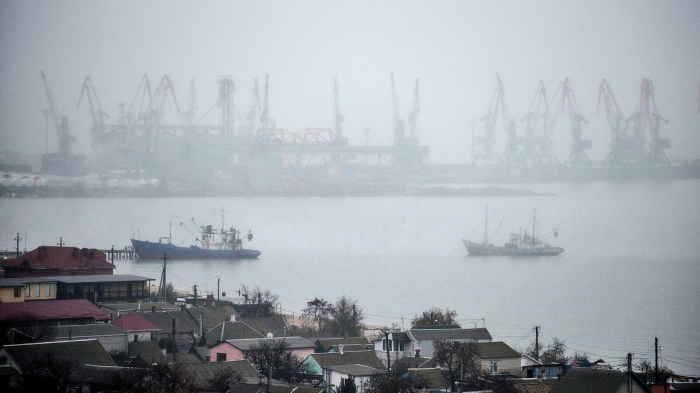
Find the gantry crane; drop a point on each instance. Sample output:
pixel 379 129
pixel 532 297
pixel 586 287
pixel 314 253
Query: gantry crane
pixel 338 116
pixel 623 147
pixel 578 156
pixel 98 116
pixel 399 133
pixel 60 122
pixel 538 148
pixel 497 108
pixel 650 118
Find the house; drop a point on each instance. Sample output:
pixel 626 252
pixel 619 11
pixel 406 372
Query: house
pixel 54 312
pixel 327 344
pixel 78 353
pixel 137 327
pixel 212 316
pixel 230 331
pixel 92 378
pixel 275 324
pixel 599 381
pixel 200 374
pixel 317 365
pixel 407 362
pixel 95 288
pixel 111 337
pixel 499 358
pixel 359 373
pixel 116 309
pixel 59 261
pixel 145 353
pixel 548 371
pixel 176 325
pixel 419 341
pixel 237 349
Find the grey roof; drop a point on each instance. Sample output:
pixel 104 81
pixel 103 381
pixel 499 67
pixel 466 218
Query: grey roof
pixel 101 278
pixel 77 352
pixel 496 350
pixel 584 380
pixel 353 347
pixel 449 334
pixel 183 357
pixel 149 351
pixel 85 331
pixel 187 323
pixel 275 324
pixel 433 377
pixel 414 362
pixel 231 331
pixel 160 319
pixel 250 343
pixel 200 373
pixel 108 375
pixel 355 370
pixel 212 316
pixel 201 352
pixel 21 281
pixel 365 358
pixel 327 343
pixel 400 336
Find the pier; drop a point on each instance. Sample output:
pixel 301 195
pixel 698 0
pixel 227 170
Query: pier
pixel 125 253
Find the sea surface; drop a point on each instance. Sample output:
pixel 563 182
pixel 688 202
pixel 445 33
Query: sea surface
pixel 630 272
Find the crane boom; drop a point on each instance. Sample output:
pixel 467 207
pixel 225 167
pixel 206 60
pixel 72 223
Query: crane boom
pixel 263 115
pixel 338 116
pixel 60 122
pixel 399 133
pixel 414 113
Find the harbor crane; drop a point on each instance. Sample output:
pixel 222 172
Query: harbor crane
pixel 188 115
pixel 264 114
pixel 338 116
pixel 538 148
pixel 623 147
pixel 647 118
pixel 164 93
pixel 399 132
pixel 253 112
pixel 60 122
pixel 144 91
pixel 98 115
pixel 497 108
pixel 578 156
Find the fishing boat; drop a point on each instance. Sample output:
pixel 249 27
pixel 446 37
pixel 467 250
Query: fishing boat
pixel 518 245
pixel 211 244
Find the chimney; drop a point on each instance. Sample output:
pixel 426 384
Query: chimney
pixel 43 253
pixel 164 351
pixel 153 309
pixel 76 252
pixel 233 317
pixel 200 324
pixel 417 353
pixel 183 307
pixel 174 329
pixel 340 349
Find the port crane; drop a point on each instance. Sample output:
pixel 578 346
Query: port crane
pixel 253 112
pixel 497 108
pixel 538 148
pixel 399 132
pixel 264 114
pixel 338 116
pixel 579 145
pixel 623 147
pixel 144 91
pixel 60 122
pixel 164 93
pixel 412 118
pixel 98 115
pixel 647 118
pixel 188 115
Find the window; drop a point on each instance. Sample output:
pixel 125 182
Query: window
pixel 37 287
pixel 26 291
pixel 220 357
pixel 494 367
pixel 18 292
pixel 48 290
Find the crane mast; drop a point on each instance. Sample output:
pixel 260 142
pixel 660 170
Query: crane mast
pixel 622 146
pixel 263 115
pixel 338 116
pixel 496 109
pixel 399 133
pixel 188 116
pixel 538 147
pixel 98 116
pixel 414 114
pixel 254 106
pixel 579 145
pixel 60 122
pixel 144 90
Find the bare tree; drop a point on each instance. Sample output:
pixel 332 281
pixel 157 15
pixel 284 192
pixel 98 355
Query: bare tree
pixel 346 317
pixel 261 302
pixel 223 378
pixel 319 311
pixel 555 352
pixel 46 375
pixel 275 356
pixel 435 316
pixel 459 360
pixel 394 382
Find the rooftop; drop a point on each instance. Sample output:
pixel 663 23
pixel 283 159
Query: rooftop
pixel 496 350
pixel 52 257
pixel 133 323
pixel 77 352
pixel 365 358
pixel 449 334
pixel 355 370
pixel 251 343
pixel 52 310
pixel 326 343
pixel 20 281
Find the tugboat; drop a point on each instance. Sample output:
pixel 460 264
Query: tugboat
pixel 213 244
pixel 519 245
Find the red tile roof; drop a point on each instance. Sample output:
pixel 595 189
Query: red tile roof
pixel 52 309
pixel 52 257
pixel 133 322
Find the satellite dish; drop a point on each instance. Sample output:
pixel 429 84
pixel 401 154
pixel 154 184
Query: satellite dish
pixel 269 335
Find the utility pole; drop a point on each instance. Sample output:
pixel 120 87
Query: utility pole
pixel 388 355
pixel 194 287
pixel 218 287
pixel 60 242
pixel 354 321
pixel 112 254
pixel 629 373
pixel 18 239
pixel 537 343
pixel 164 278
pixel 656 362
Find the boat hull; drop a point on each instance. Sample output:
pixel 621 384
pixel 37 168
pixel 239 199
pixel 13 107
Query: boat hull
pixel 490 249
pixel 150 250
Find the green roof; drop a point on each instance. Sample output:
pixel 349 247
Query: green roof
pixel 584 380
pixel 433 377
pixel 231 331
pixel 325 344
pixel 496 350
pixel 77 352
pixel 364 358
pixel 200 373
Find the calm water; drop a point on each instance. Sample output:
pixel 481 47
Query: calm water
pixel 631 270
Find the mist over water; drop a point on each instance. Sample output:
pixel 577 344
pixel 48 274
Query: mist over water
pixel 630 271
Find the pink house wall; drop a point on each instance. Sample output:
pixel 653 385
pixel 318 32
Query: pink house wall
pixel 303 352
pixel 232 353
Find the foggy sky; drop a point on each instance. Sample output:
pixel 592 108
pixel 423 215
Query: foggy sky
pixel 454 48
